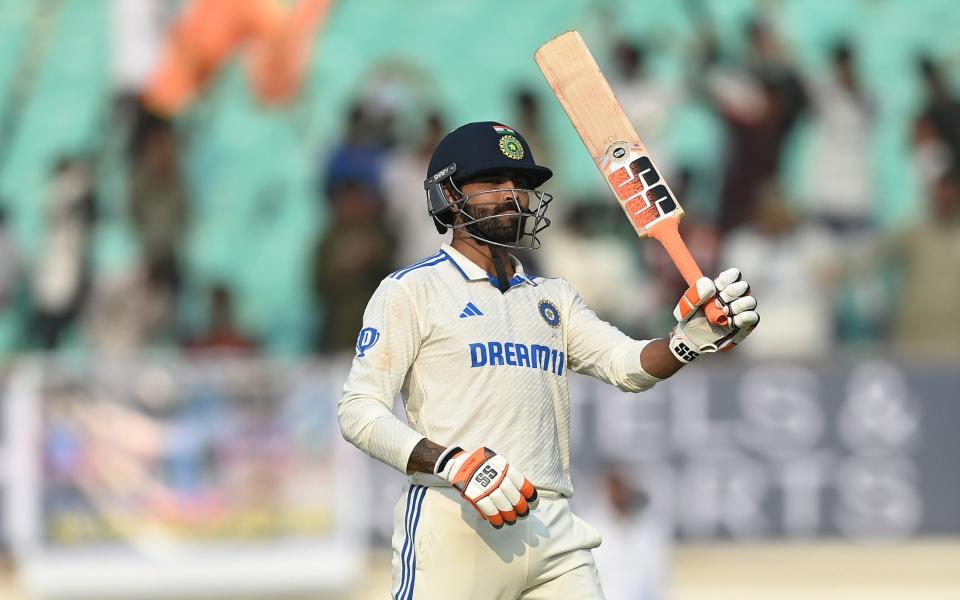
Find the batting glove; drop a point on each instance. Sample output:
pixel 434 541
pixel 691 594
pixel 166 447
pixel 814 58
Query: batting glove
pixel 484 478
pixel 694 334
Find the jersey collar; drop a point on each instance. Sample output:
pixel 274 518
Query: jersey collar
pixel 473 272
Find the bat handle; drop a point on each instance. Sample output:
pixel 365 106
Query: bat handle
pixel 667 233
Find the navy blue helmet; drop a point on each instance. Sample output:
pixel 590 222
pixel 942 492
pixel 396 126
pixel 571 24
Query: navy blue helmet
pixel 475 150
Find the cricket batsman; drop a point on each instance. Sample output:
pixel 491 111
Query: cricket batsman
pixel 479 350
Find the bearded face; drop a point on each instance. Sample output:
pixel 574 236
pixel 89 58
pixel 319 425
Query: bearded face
pixel 499 223
pixel 496 209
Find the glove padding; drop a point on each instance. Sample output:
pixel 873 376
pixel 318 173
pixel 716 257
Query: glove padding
pixel 484 478
pixel 694 334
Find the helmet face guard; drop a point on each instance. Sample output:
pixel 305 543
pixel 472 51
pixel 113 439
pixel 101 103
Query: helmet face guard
pixel 447 204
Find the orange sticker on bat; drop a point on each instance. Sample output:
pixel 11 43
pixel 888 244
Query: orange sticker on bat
pixel 618 177
pixel 630 189
pixel 641 214
pixel 625 184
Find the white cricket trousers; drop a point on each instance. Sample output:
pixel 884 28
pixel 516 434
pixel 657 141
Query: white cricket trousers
pixel 444 550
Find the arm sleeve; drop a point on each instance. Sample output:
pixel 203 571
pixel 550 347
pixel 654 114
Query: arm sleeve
pixel 599 349
pixel 386 348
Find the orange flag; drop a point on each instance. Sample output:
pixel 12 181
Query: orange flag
pixel 209 32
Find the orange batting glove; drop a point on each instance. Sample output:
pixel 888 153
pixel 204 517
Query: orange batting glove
pixel 499 492
pixel 694 334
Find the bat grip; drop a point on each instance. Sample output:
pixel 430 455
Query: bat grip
pixel 667 233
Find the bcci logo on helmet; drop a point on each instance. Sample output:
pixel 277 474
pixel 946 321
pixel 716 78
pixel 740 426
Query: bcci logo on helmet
pixel 366 340
pixel 511 147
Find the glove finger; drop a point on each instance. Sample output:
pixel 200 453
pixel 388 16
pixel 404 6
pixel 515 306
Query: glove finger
pixel 518 504
pixel 746 319
pixel 697 294
pixel 743 304
pixel 499 500
pixel 734 291
pixel 522 508
pixel 489 511
pixel 517 480
pixel 530 493
pixel 739 335
pixel 504 506
pixel 515 476
pixel 510 491
pixel 727 277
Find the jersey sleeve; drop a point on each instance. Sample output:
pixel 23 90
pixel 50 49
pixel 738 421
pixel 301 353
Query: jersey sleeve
pixel 598 349
pixel 386 347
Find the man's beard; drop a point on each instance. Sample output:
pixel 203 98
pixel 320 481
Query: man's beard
pixel 502 230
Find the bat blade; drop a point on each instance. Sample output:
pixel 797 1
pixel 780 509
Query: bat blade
pixel 608 134
pixel 617 150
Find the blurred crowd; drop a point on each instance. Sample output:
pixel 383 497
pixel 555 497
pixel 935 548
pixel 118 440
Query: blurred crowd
pixel 828 275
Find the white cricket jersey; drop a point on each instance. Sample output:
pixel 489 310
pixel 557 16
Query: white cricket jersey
pixel 477 367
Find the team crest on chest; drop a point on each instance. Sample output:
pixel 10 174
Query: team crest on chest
pixel 548 310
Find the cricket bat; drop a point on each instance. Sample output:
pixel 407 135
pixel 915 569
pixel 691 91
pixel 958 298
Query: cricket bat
pixel 617 150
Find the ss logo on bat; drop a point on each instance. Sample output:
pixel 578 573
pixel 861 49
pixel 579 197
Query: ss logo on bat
pixel 640 189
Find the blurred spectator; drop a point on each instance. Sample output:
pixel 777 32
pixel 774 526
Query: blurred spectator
pixel 769 63
pixel 647 101
pixel 10 267
pixel 137 29
pixel 926 313
pixel 223 335
pixel 932 156
pixel 838 189
pixel 158 196
pixel 363 151
pixel 405 172
pixel 62 274
pixel 604 268
pixel 936 131
pixel 838 177
pixel 135 311
pixel 350 260
pixel 530 121
pixel 634 558
pixel 760 105
pixel 942 110
pixel 792 267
